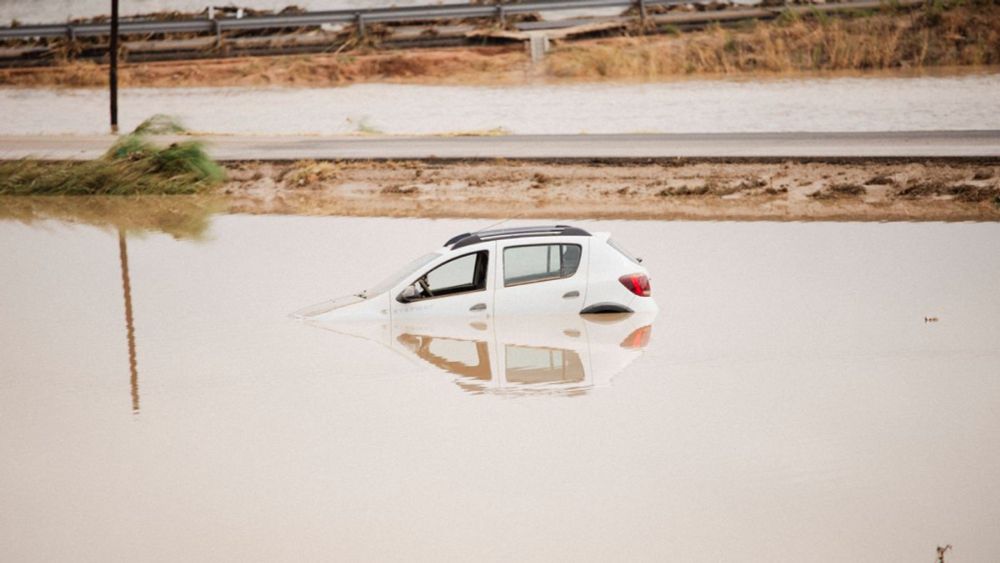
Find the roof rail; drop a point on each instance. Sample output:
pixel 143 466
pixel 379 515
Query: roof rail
pixel 465 239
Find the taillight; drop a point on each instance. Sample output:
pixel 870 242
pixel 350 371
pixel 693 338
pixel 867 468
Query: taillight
pixel 637 284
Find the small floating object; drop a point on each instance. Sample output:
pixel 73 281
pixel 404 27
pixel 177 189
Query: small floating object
pixel 930 319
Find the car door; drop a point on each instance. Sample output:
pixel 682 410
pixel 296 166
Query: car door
pixel 461 286
pixel 541 278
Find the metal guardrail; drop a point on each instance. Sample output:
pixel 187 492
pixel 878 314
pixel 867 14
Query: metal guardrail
pixel 360 17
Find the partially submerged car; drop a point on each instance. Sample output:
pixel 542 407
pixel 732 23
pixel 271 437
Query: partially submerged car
pixel 538 270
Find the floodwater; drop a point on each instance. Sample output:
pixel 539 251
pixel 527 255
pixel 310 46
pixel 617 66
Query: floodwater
pixel 792 401
pixel 877 103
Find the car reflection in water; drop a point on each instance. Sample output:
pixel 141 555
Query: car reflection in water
pixel 565 354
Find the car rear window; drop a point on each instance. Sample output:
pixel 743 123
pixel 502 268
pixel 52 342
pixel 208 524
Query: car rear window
pixel 540 262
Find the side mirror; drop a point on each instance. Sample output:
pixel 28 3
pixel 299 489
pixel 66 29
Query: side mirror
pixel 409 294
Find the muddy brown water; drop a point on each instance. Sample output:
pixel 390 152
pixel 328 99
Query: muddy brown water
pixel 794 400
pixel 878 102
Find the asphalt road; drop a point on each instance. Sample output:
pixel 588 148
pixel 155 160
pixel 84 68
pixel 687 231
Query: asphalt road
pixel 968 144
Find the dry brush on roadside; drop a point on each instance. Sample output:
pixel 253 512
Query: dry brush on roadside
pixel 942 33
pixel 134 165
pixel 936 35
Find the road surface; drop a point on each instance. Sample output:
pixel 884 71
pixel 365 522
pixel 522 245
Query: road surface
pixel 906 144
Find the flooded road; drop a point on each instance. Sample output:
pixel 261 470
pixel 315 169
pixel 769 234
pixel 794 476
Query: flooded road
pixel 877 103
pixel 793 400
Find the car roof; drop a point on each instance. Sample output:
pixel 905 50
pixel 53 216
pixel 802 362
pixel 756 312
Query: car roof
pixel 466 239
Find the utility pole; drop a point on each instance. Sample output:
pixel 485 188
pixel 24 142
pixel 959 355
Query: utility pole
pixel 113 78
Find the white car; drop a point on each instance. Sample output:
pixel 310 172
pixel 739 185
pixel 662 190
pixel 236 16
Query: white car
pixel 531 270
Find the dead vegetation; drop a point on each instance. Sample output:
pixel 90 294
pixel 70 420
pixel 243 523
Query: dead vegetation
pixel 940 34
pixel 473 64
pixel 936 35
pixel 839 191
pixel 135 165
pixel 961 191
pixel 983 174
pixel 880 180
pixel 720 186
pixel 309 173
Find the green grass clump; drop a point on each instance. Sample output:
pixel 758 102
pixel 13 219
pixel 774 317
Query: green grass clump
pixel 132 166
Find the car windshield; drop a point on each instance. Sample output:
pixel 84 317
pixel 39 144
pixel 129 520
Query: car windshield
pixel 400 275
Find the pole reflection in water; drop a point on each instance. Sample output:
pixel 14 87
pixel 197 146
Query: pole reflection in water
pixel 565 354
pixel 183 219
pixel 129 325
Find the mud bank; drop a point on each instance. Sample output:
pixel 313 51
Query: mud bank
pixel 789 190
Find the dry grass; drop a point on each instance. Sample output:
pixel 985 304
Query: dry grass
pixel 958 191
pixel 134 165
pixel 310 173
pixel 839 191
pixel 935 35
pixel 487 64
pixel 884 40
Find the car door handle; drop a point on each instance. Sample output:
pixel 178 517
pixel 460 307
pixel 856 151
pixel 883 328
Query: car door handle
pixel 478 307
pixel 571 294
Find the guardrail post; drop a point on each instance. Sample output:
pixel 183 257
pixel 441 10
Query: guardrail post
pixel 70 41
pixel 501 15
pixel 217 27
pixel 538 45
pixel 642 13
pixel 360 24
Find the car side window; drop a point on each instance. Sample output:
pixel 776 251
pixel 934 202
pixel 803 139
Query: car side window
pixel 539 262
pixel 458 275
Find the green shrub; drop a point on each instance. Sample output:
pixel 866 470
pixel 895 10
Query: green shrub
pixel 133 165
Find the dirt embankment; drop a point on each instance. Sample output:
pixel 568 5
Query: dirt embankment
pixel 934 36
pixel 446 66
pixel 736 191
pixel 664 190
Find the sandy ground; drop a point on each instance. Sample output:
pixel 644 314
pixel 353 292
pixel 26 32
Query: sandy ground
pixel 713 190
